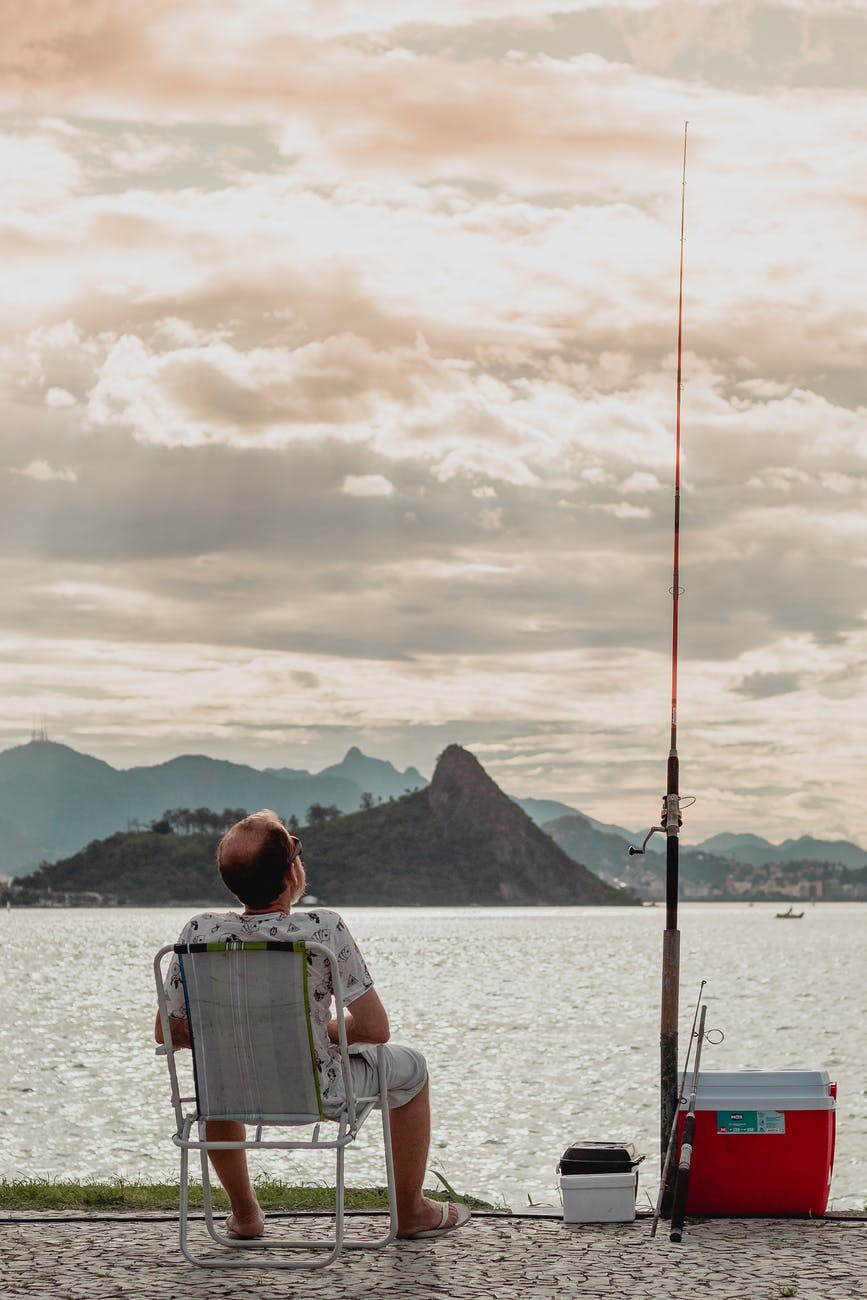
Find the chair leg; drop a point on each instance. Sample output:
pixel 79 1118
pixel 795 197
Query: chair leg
pixel 248 1253
pixel 340 1198
pixel 251 1253
pixel 184 1201
pixel 207 1197
pixel 389 1174
pixel 377 1243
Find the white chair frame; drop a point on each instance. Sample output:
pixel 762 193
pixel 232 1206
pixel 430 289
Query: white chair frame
pixel 190 1135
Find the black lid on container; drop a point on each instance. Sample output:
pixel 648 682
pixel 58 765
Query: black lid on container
pixel 599 1157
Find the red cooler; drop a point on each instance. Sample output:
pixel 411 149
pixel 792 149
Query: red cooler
pixel 764 1142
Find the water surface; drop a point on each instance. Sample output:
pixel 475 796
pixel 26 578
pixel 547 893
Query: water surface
pixel 540 1025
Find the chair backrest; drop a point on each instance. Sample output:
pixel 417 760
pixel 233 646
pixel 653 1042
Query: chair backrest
pixel 254 1056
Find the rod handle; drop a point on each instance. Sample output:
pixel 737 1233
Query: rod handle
pixel 681 1186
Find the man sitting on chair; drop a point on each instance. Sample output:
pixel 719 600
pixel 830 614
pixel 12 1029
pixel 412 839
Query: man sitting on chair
pixel 260 862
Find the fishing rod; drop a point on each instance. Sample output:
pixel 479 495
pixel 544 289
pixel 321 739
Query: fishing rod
pixel 663 1182
pixel 670 818
pixel 687 1142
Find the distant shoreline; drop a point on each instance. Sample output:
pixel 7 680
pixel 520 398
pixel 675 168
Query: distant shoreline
pixel 805 905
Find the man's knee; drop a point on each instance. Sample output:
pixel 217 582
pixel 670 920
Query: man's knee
pixel 406 1074
pixel 404 1070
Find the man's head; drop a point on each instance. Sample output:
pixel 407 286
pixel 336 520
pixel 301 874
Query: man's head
pixel 258 859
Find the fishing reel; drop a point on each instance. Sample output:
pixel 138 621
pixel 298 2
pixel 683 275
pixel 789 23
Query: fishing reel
pixel 686 802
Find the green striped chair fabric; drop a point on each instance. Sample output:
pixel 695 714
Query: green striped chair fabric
pixel 253 1051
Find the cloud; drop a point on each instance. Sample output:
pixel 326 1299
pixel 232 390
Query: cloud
pixel 491 519
pixel 42 472
pixel 338 373
pixel 763 685
pixel 35 171
pixel 59 397
pixel 217 392
pixel 367 485
pixel 137 152
pixel 640 483
pixel 625 510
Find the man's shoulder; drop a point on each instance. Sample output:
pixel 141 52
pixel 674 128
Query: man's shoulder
pixel 208 923
pixel 318 918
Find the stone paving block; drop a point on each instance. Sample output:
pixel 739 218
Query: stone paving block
pixel 490 1259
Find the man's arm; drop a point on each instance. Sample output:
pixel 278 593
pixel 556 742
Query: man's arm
pixel 180 1031
pixel 367 1022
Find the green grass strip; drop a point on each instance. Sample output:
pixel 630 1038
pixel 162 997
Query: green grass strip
pixel 122 1194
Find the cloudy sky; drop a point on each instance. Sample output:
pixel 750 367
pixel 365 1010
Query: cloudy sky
pixel 338 387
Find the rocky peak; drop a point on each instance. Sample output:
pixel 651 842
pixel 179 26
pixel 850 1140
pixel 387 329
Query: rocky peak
pixel 465 800
pixel 471 812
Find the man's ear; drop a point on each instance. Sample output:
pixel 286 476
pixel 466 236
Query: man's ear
pixel 296 878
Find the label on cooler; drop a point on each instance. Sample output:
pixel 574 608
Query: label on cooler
pixel 750 1121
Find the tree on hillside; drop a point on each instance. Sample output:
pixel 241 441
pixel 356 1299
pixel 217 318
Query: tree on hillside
pixel 204 820
pixel 319 814
pixel 178 819
pixel 229 816
pixel 200 821
pixel 367 800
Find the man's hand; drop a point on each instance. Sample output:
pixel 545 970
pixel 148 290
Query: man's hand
pixel 180 1031
pixel 367 1022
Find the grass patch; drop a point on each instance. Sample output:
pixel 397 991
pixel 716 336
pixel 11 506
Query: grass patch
pixel 123 1194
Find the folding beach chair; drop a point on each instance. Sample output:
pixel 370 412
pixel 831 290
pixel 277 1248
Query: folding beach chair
pixel 254 1061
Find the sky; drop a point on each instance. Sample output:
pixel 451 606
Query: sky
pixel 338 391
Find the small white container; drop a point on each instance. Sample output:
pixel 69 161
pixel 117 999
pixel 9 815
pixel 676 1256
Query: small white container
pixel 598 1198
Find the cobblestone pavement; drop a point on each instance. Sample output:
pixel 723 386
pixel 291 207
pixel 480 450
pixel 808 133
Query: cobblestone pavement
pixel 492 1258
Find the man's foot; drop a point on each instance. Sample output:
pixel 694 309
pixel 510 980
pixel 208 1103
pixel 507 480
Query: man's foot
pixel 251 1224
pixel 433 1218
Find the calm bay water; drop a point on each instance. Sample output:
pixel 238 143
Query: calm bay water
pixel 541 1028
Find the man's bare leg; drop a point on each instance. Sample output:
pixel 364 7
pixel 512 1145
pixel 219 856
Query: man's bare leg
pixel 230 1167
pixel 410 1135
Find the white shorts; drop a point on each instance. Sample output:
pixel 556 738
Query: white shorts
pixel 405 1072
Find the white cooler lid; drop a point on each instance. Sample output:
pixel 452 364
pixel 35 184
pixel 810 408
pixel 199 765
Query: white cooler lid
pixel 760 1090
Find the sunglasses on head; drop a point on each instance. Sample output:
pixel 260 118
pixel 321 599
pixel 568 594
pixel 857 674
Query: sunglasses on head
pixel 295 847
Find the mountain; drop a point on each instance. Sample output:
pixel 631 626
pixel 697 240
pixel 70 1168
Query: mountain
pixel 544 811
pixel 56 799
pixel 607 852
pixel 373 776
pixel 376 776
pixel 806 848
pixel 196 781
pixel 732 845
pixel 137 868
pixel 608 855
pixel 761 852
pixel 459 841
pixel 53 799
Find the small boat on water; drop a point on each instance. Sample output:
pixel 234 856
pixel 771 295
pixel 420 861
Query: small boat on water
pixel 790 915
